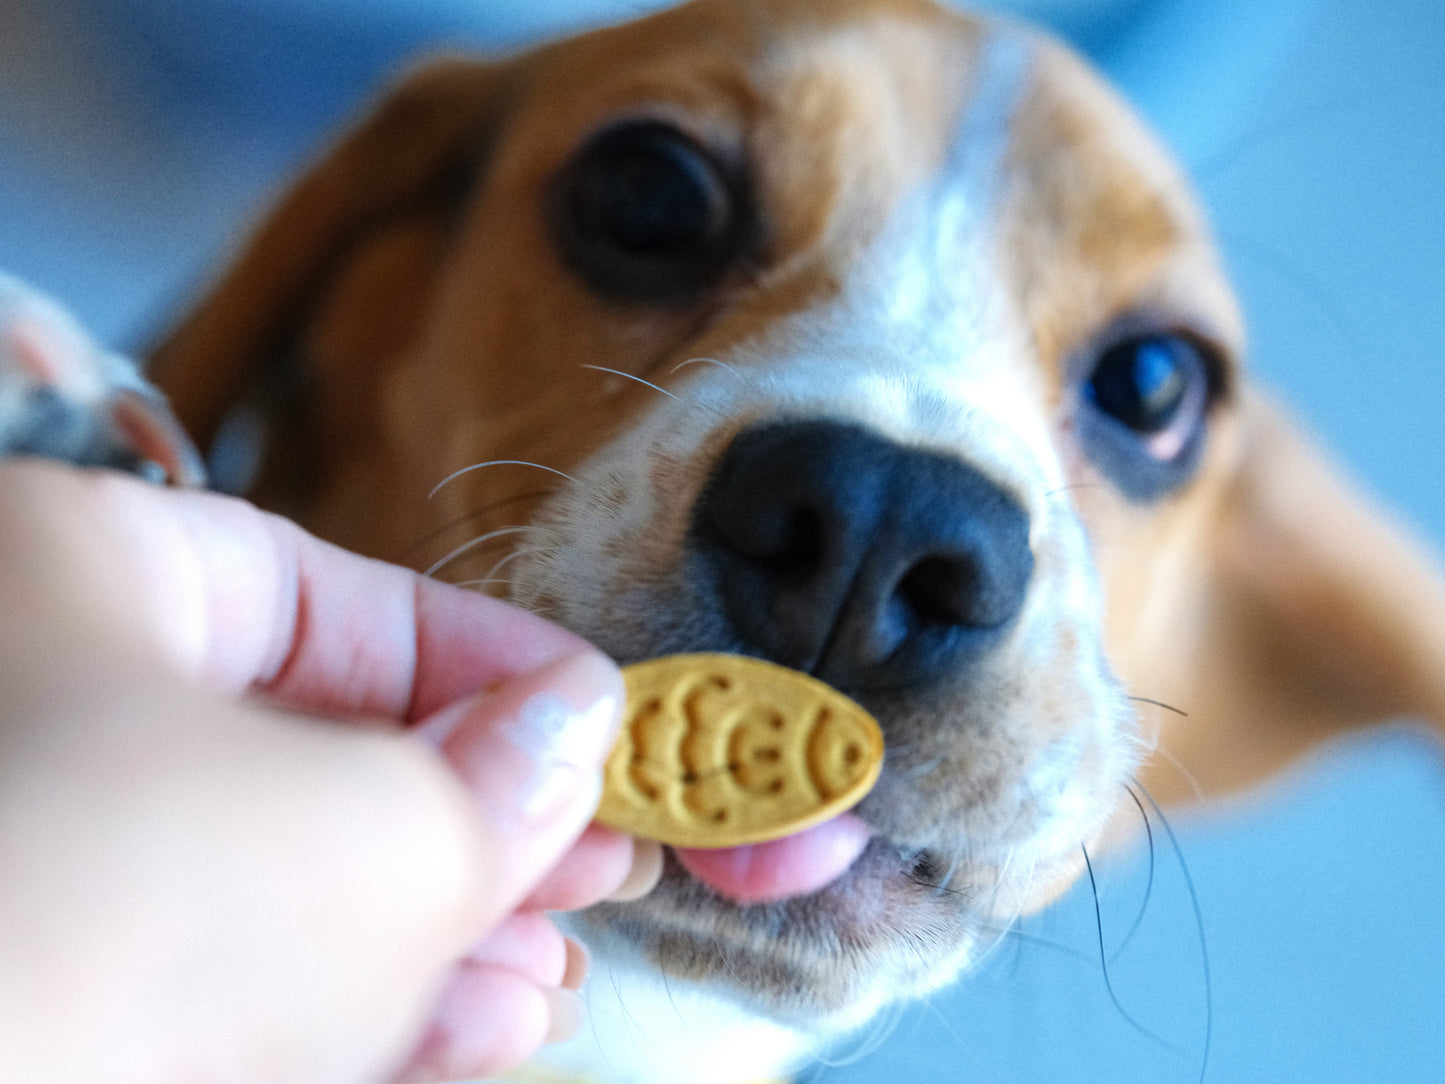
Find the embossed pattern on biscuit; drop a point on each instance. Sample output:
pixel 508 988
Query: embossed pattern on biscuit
pixel 722 750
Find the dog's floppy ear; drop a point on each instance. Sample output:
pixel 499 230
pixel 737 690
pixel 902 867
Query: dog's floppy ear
pixel 397 173
pixel 1320 614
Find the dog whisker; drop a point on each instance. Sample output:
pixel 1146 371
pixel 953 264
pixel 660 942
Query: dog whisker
pixel 1005 872
pixel 864 1043
pixel 520 551
pixel 671 1001
pixel 1149 880
pixel 1013 932
pixel 724 959
pixel 635 1031
pixel 1072 487
pixel 543 599
pixel 491 579
pixel 483 584
pixel 710 361
pixel 473 544
pixel 549 612
pixel 1151 724
pixel 1104 965
pixel 632 376
pixel 1198 927
pixel 933 884
pixel 923 871
pixel 496 463
pixel 1160 704
pixel 1174 762
pixel 945 883
pixel 452 524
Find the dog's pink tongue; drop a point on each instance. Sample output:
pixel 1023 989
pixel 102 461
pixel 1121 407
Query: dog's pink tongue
pixel 792 866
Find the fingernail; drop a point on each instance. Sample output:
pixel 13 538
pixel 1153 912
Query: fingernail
pixel 644 873
pixel 568 1014
pixel 566 730
pixel 579 963
pixel 538 741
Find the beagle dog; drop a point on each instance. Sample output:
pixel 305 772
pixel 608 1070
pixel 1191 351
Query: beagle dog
pixel 867 336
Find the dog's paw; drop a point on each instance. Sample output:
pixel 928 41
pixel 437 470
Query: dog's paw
pixel 64 397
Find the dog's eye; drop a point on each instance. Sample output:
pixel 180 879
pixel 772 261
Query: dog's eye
pixel 644 213
pixel 1143 383
pixel 1143 412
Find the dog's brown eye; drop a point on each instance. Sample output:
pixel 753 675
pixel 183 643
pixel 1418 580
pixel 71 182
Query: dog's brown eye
pixel 1142 417
pixel 644 213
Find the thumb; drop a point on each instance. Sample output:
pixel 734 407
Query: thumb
pixel 530 751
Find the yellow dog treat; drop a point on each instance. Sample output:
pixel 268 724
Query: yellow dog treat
pixel 722 750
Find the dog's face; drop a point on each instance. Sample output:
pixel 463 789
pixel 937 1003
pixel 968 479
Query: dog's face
pixel 868 337
pixel 923 333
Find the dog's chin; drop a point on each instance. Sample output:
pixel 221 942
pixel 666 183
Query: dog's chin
pixel 887 927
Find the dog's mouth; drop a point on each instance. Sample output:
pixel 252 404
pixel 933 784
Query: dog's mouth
pixel 822 928
pixel 818 929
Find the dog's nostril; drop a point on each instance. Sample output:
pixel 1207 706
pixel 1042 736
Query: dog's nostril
pixel 945 591
pixel 789 542
pixel 956 589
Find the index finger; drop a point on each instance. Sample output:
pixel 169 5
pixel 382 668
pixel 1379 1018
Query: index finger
pixel 247 600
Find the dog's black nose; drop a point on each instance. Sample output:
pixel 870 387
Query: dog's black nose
pixel 871 565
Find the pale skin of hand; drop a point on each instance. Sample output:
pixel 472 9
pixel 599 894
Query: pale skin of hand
pixel 227 852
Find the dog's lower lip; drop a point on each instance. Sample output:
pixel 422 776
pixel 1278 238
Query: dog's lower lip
pixel 792 866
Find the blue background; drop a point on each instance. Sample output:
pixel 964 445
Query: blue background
pixel 137 137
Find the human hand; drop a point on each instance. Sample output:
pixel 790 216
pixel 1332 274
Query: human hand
pixel 224 856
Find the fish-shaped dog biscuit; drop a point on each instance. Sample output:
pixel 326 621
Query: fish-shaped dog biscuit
pixel 722 750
